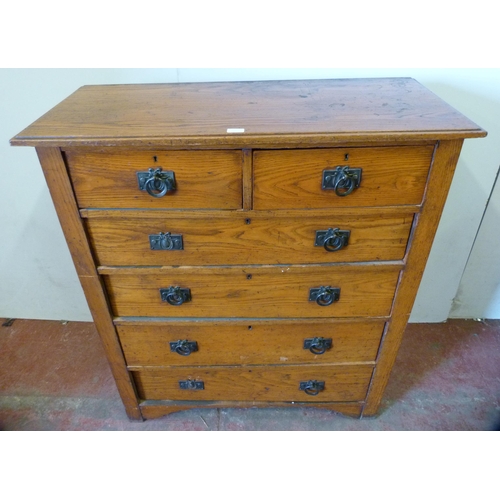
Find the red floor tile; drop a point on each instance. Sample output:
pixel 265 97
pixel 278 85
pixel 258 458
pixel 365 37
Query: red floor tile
pixel 54 376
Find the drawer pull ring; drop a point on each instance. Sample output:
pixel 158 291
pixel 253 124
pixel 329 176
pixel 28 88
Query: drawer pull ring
pixel 156 182
pixel 312 387
pixel 332 240
pixel 318 345
pixel 191 385
pixel 324 295
pixel 175 295
pixel 166 241
pixel 343 180
pixel 183 347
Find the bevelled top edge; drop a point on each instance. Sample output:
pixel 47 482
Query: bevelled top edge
pixel 248 141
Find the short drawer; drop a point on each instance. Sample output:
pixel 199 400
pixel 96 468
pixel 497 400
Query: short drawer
pixel 241 239
pixel 262 383
pixel 203 179
pixel 300 178
pixel 243 342
pixel 267 291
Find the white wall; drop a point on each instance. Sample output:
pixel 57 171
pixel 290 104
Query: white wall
pixel 479 293
pixel 37 276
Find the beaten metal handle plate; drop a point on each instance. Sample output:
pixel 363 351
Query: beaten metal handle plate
pixel 312 387
pixel 183 347
pixel 175 295
pixel 324 295
pixel 343 179
pixel 156 182
pixel 332 240
pixel 318 345
pixel 166 241
pixel 192 385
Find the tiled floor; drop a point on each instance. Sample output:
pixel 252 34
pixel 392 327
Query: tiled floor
pixel 54 376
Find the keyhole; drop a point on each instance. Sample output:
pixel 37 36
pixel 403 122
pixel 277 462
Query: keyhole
pixel 346 157
pixel 248 221
pixel 249 327
pixel 249 276
pixel 155 158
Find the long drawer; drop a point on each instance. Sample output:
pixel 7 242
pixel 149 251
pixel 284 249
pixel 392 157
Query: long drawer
pixel 243 342
pixel 203 179
pixel 262 383
pixel 296 178
pixel 267 291
pixel 238 239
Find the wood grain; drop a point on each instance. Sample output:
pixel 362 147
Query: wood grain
pixel 439 182
pixel 260 383
pixel 270 292
pixel 154 213
pixel 247 179
pixel 204 179
pixel 245 239
pixel 156 409
pixel 273 114
pixel 292 179
pixel 249 343
pixel 54 170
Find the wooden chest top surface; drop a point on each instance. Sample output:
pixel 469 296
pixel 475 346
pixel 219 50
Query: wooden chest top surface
pixel 308 112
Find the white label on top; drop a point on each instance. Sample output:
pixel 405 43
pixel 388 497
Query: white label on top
pixel 235 130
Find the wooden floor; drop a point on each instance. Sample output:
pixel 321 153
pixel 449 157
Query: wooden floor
pixel 54 376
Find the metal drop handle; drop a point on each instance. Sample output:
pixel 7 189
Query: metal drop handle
pixel 156 182
pixel 312 387
pixel 166 241
pixel 345 182
pixel 332 240
pixel 318 345
pixel 183 347
pixel 175 295
pixel 324 295
pixel 192 385
pixel 335 240
pixel 343 179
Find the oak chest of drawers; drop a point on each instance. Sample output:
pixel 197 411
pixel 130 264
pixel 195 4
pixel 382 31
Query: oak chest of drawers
pixel 252 243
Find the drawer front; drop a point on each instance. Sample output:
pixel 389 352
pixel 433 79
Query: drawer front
pixel 239 240
pixel 262 383
pixel 268 292
pixel 293 179
pixel 258 342
pixel 203 179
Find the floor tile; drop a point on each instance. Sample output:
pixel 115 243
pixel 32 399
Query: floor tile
pixel 54 376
